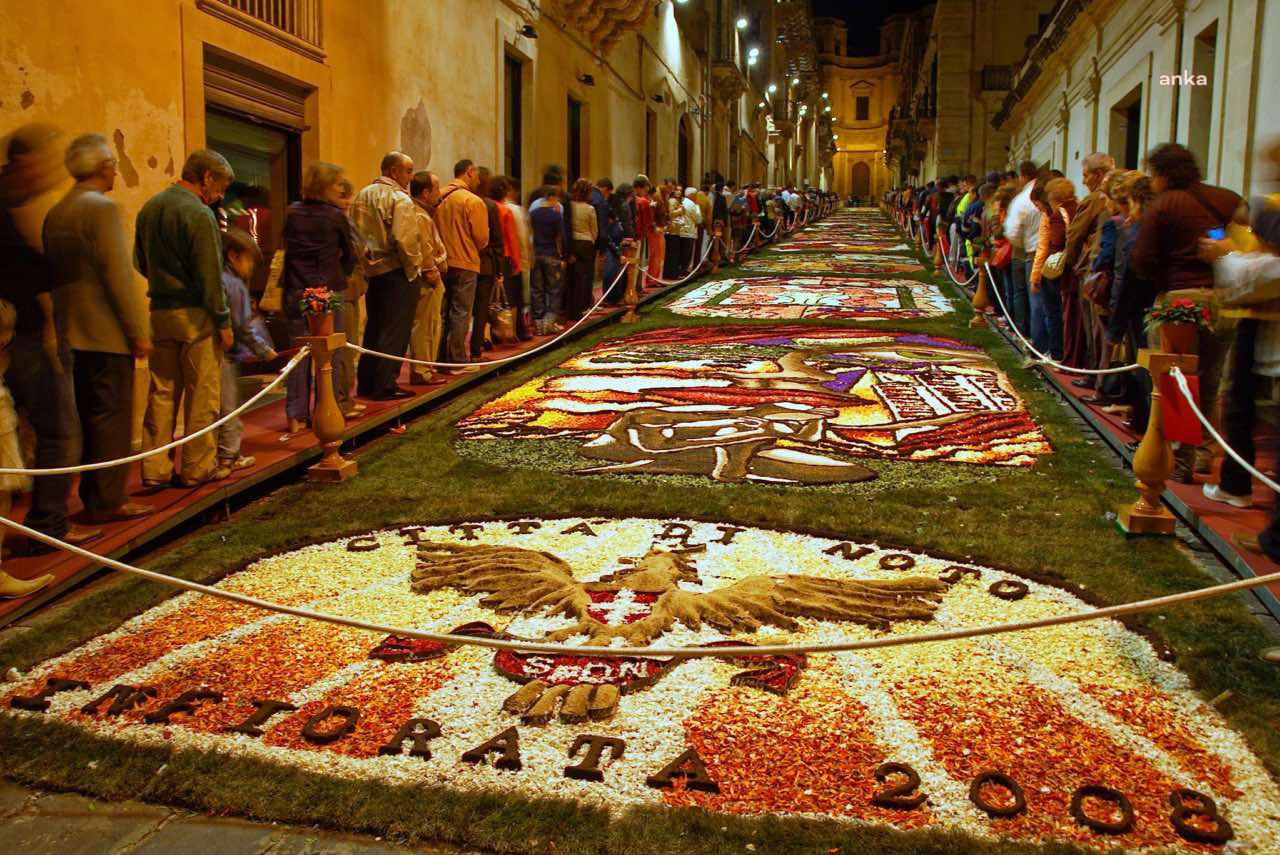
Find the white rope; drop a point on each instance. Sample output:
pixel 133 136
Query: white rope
pixel 728 245
pixel 1041 358
pixel 946 265
pixel 522 354
pixel 1181 380
pixel 658 652
pixel 777 224
pixel 142 455
pixel 692 273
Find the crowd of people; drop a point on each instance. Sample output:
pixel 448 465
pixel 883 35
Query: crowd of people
pixel 409 265
pixel 1079 271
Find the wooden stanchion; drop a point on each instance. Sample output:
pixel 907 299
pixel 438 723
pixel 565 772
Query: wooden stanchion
pixel 632 296
pixel 717 231
pixel 1153 461
pixel 981 301
pixel 327 422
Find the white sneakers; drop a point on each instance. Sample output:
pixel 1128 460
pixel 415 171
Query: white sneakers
pixel 1216 494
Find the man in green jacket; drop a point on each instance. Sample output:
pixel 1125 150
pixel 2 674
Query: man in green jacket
pixel 178 248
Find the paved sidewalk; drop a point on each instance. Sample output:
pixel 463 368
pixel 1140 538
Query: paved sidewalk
pixel 36 823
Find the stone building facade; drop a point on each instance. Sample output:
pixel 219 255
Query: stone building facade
pixel 859 92
pixel 1122 76
pixel 956 61
pixel 601 87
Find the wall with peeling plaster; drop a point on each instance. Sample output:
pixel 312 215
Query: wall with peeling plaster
pixel 427 83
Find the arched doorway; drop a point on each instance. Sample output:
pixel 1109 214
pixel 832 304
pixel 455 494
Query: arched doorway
pixel 684 150
pixel 861 183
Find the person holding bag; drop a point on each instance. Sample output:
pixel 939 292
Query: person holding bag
pixel 1056 202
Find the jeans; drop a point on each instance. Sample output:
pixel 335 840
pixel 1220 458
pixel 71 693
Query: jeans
pixel 389 306
pixel 1019 294
pixel 104 398
pixel 485 283
pixel 459 297
pixel 1240 414
pixel 547 288
pixel 297 401
pixel 613 291
pixel 44 395
pixel 229 434
pixel 1046 318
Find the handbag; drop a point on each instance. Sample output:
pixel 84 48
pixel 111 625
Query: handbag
pixel 1097 288
pixel 502 319
pixel 1057 262
pixel 1003 255
pixel 273 294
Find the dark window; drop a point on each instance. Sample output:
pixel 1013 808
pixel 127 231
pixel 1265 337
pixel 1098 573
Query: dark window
pixel 650 144
pixel 1204 50
pixel 862 108
pixel 683 144
pixel 1125 139
pixel 575 140
pixel 513 126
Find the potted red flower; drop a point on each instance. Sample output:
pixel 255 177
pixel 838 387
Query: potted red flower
pixel 1179 322
pixel 317 306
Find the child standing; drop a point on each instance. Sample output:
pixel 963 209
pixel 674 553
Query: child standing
pixel 11 456
pixel 240 257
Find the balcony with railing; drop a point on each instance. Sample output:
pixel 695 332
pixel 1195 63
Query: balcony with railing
pixel 295 24
pixel 997 78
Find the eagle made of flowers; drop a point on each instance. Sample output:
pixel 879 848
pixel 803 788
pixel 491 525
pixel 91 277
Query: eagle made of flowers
pixel 637 605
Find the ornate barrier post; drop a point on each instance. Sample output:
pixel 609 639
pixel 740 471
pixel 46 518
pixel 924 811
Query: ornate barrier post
pixel 717 232
pixel 1153 461
pixel 632 296
pixel 327 422
pixel 981 301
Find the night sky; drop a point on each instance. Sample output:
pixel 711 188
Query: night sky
pixel 863 18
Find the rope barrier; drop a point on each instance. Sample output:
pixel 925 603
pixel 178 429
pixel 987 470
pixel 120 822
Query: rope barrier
pixel 521 355
pixel 946 265
pixel 692 273
pixel 728 244
pixel 660 652
pixel 1120 369
pixel 142 455
pixel 1181 380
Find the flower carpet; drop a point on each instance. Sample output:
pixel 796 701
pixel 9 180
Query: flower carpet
pixel 858 264
pixel 1080 733
pixel 782 404
pixel 810 459
pixel 835 243
pixel 821 297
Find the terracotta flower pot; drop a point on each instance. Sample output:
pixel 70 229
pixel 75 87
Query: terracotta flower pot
pixel 320 324
pixel 1178 338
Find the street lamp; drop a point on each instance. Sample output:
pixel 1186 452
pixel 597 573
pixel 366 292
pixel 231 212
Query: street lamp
pixel 795 81
pixel 742 22
pixel 825 96
pixel 773 87
pixel 752 59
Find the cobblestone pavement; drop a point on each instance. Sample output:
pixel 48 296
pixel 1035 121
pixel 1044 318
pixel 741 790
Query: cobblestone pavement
pixel 37 823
